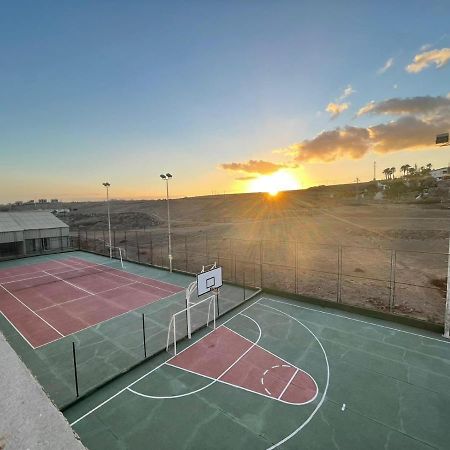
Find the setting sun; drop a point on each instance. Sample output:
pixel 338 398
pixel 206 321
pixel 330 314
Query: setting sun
pixel 272 184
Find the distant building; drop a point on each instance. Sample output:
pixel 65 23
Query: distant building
pixel 54 200
pixel 42 200
pixel 440 174
pixel 28 233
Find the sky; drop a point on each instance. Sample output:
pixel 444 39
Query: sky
pixel 220 94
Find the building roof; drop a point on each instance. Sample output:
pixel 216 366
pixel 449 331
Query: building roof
pixel 33 220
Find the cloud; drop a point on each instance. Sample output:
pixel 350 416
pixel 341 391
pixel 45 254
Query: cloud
pixel 347 92
pixel 255 167
pixel 422 60
pixel 347 142
pixel 335 109
pixel 387 65
pixel 406 133
pixel 420 120
pixel 246 178
pixel 422 106
pixel 425 47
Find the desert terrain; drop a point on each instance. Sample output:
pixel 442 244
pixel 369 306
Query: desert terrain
pixel 386 255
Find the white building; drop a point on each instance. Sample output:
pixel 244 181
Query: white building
pixel 440 174
pixel 28 233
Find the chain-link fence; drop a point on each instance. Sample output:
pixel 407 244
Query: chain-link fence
pixel 404 282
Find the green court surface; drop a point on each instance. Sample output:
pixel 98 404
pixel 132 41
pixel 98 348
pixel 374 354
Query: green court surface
pixel 110 347
pixel 380 386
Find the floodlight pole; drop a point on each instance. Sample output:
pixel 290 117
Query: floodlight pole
pixel 107 186
pixel 166 178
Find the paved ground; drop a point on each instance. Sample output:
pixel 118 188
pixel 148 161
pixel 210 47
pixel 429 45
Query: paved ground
pixel 28 419
pixel 379 385
pixel 109 347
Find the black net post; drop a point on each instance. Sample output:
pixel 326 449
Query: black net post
pixel 143 335
pixel 75 368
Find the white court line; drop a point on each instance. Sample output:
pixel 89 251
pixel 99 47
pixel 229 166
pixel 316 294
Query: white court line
pixel 219 380
pixel 151 371
pixel 85 296
pixel 23 337
pixel 36 314
pixel 324 392
pixel 69 283
pixel 96 265
pixel 288 364
pixel 214 379
pixel 289 382
pixel 271 397
pixel 357 320
pixel 111 318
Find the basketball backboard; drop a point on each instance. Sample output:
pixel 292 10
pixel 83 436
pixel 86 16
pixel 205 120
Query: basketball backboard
pixel 209 280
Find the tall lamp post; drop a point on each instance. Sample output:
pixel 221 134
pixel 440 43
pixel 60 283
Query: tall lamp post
pixel 166 178
pixel 107 186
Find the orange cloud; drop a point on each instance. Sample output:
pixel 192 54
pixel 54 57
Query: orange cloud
pixel 438 57
pixel 422 106
pixel 335 109
pixel 421 119
pixel 256 167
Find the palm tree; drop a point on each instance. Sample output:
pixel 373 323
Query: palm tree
pixel 386 173
pixel 407 167
pixel 412 171
pixel 429 166
pixel 393 172
pixel 403 169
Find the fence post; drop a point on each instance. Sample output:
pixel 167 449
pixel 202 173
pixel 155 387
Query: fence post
pixel 143 335
pixel 126 244
pixel 114 238
pixel 75 368
pixel 296 267
pixel 261 262
pixel 185 252
pixel 104 242
pixel 151 249
pixel 392 280
pixel 339 276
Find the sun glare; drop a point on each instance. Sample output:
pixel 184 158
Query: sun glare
pixel 272 184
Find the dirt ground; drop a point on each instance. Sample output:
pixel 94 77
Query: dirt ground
pixel 385 256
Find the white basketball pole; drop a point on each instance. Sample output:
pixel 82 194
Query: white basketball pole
pixel 107 186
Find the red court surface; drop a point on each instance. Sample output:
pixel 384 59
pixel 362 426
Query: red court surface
pixel 52 299
pixel 228 357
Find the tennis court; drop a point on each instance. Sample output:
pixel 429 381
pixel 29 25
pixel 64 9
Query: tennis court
pixel 49 300
pixel 78 320
pixel 280 373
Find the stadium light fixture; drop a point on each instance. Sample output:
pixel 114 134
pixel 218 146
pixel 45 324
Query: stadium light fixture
pixel 107 186
pixel 166 178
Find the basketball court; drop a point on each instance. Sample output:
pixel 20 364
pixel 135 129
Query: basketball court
pixel 277 373
pixel 78 320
